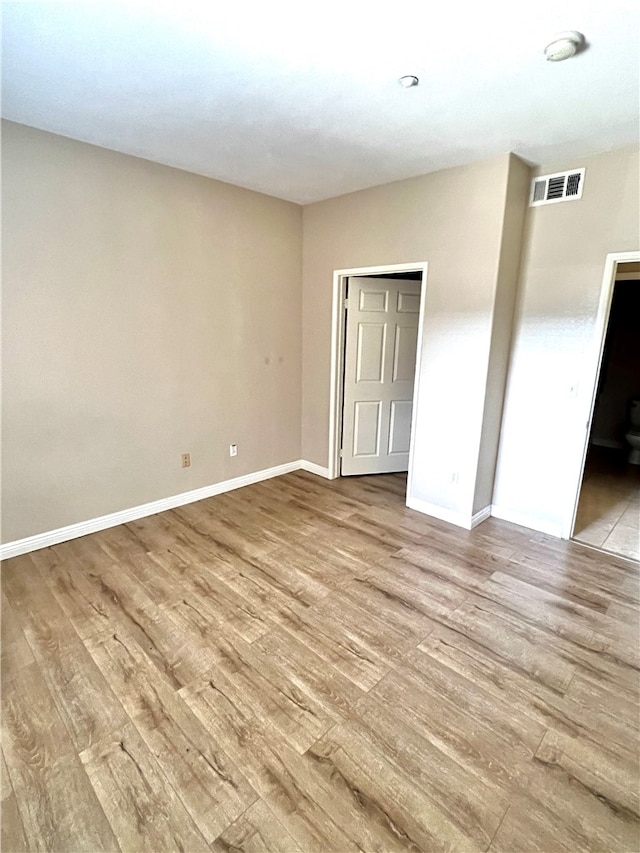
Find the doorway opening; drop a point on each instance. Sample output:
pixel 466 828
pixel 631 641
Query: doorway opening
pixel 375 433
pixel 607 513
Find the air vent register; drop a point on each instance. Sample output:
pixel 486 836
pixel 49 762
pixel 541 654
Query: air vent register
pixel 561 186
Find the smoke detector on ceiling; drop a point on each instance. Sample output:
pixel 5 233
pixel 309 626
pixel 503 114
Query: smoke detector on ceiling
pixel 564 45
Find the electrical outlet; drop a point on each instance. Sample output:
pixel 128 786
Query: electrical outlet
pixel 233 450
pixel 186 460
pixel 454 477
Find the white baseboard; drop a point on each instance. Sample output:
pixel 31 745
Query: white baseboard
pixel 524 520
pixel 469 522
pixel 480 516
pixel 312 468
pixel 460 519
pixel 93 525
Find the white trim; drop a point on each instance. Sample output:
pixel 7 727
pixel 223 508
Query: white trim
pixel 337 365
pixel 337 357
pixel 460 519
pixel 312 468
pixel 590 381
pixel 524 520
pixel 93 525
pixel 416 386
pixel 480 516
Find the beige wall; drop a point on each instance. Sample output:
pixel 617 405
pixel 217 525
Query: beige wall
pixel 147 312
pixel 454 220
pixel 544 423
pixel 517 194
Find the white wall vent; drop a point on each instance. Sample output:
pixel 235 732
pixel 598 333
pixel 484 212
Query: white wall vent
pixel 561 186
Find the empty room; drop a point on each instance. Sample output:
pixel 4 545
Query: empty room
pixel 317 340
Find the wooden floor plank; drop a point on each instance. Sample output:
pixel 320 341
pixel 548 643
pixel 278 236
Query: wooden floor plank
pixel 6 789
pixel 505 637
pixel 462 719
pixel 605 769
pixel 357 647
pixel 212 605
pixel 57 805
pixel 287 781
pixel 227 531
pixel 610 706
pixel 562 811
pixel 382 806
pixel 12 836
pixel 466 804
pixel 309 665
pixel 245 676
pixel 83 696
pixel 336 694
pixel 591 709
pixel 176 646
pixel 15 651
pixel 142 807
pixel 611 577
pixel 133 674
pixel 165 534
pixel 258 830
pixel 212 789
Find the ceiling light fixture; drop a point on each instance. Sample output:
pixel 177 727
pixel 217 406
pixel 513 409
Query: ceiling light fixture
pixel 408 81
pixel 564 46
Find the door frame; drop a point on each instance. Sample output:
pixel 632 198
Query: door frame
pixel 337 358
pixel 591 377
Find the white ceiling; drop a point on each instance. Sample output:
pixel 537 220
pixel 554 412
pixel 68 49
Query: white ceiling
pixel 301 100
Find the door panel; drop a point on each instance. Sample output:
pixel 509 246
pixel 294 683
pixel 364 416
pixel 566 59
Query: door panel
pixel 370 357
pixel 408 303
pixel 400 426
pixel 366 438
pixel 404 355
pixel 372 301
pixel 380 357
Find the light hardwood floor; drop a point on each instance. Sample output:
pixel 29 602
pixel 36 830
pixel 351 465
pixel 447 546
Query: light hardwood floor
pixel 304 665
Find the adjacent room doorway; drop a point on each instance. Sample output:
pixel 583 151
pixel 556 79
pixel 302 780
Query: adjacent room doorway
pixel 608 515
pixel 376 343
pixel 381 340
pixel 588 529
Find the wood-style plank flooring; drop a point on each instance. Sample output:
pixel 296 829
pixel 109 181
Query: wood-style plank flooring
pixel 304 665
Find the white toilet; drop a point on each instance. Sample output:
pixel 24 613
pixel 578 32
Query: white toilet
pixel 633 433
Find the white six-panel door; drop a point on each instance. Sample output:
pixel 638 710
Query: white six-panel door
pixel 380 362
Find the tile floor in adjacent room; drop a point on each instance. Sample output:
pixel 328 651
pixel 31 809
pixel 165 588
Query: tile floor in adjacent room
pixel 609 508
